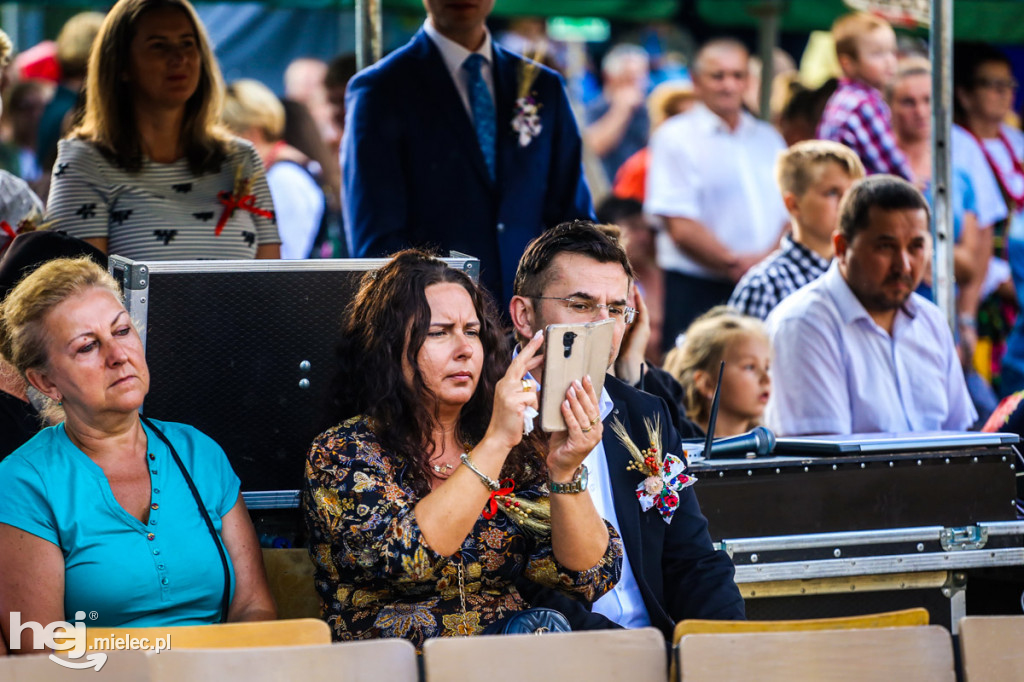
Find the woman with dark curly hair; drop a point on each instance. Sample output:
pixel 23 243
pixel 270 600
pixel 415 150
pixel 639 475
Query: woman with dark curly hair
pixel 431 433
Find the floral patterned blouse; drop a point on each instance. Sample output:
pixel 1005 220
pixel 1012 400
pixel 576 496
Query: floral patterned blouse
pixel 378 578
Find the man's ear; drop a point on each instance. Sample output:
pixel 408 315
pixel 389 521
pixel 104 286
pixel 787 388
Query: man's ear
pixel 40 381
pixel 520 309
pixel 839 245
pixel 960 95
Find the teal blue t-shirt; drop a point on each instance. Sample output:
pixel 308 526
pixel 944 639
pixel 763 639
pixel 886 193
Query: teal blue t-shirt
pixel 166 572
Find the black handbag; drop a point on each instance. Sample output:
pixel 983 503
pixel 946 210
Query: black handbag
pixel 536 621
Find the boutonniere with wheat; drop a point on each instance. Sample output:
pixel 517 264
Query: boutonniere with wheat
pixel 526 121
pixel 664 474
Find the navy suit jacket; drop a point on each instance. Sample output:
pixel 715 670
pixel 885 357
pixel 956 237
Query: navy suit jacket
pixel 679 572
pixel 414 174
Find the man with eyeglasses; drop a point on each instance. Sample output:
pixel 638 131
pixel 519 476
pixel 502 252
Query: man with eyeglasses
pixel 575 273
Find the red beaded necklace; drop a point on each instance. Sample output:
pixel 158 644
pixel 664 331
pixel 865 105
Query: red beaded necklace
pixel 1017 198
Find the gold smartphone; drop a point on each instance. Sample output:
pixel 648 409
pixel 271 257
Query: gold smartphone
pixel 571 351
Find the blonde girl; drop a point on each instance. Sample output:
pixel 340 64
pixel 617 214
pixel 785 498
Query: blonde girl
pixel 741 341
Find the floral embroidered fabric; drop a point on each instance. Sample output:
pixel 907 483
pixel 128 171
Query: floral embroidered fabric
pixel 378 578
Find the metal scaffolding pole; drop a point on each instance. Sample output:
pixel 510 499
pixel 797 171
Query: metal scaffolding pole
pixel 369 33
pixel 767 39
pixel 941 53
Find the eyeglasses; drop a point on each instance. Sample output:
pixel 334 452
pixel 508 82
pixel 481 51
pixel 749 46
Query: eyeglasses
pixel 583 308
pixel 1000 84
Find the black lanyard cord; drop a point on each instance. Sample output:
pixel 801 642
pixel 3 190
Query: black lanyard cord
pixel 226 598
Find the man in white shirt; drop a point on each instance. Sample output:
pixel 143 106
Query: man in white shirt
pixel 453 142
pixel 711 182
pixel 670 570
pixel 856 351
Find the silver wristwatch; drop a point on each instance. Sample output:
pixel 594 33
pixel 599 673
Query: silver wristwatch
pixel 577 485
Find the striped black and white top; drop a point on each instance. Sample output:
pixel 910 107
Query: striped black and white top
pixel 163 212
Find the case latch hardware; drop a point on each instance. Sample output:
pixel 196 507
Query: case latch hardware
pixel 965 537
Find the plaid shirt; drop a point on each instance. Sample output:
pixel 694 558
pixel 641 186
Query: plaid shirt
pixel 857 116
pixel 784 271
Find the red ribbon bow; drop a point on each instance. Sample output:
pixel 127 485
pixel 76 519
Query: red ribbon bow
pixel 10 232
pixel 245 202
pixel 505 487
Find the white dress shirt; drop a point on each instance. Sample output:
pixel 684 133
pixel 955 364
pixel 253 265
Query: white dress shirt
pixel 701 170
pixel 454 55
pixel 837 371
pixel 623 604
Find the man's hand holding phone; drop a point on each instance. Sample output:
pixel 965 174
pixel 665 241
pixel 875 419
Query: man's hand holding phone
pixel 582 415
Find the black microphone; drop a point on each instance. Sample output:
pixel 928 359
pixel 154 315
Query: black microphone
pixel 760 441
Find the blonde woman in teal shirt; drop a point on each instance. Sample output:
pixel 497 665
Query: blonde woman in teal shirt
pixel 137 521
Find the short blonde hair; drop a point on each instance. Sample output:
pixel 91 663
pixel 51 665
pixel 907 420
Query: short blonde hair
pixel 798 167
pixel 23 336
pixel 847 28
pixel 6 49
pixel 704 345
pixel 250 104
pixel 74 42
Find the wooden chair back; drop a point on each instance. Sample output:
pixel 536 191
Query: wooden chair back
pixel 391 660
pixel 595 656
pixel 290 574
pixel 888 619
pixel 906 654
pixel 295 632
pixel 991 648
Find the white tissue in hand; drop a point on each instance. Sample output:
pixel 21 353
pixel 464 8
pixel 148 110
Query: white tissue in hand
pixel 528 415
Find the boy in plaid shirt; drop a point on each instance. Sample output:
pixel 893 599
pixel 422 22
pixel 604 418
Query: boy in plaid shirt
pixel 856 114
pixel 813 176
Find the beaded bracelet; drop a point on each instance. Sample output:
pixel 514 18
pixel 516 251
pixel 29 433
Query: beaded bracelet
pixel 487 480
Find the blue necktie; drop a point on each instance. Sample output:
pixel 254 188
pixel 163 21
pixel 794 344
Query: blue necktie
pixel 482 106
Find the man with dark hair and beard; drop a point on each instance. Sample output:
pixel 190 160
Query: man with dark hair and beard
pixel 857 351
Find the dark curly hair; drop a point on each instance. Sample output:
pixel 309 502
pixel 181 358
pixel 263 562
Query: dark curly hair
pixel 389 308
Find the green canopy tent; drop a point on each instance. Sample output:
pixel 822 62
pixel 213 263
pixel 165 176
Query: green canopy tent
pixel 620 10
pixel 994 21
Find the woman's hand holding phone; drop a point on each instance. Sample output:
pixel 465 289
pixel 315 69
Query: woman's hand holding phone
pixel 510 398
